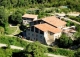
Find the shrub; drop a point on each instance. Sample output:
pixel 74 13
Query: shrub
pixel 64 41
pixel 60 51
pixel 77 53
pixel 13 41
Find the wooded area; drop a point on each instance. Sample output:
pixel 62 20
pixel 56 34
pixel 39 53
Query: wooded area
pixel 72 4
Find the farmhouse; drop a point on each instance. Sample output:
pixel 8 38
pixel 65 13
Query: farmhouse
pixel 28 18
pixel 45 30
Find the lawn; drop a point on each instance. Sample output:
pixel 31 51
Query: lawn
pixel 10 30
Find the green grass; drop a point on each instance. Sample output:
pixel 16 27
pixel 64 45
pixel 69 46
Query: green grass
pixel 13 41
pixel 7 52
pixel 10 30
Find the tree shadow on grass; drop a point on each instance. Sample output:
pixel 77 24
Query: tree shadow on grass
pixel 18 54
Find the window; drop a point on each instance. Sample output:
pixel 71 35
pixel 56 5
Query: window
pixel 35 22
pixel 32 28
pixel 51 33
pixel 41 32
pixel 31 23
pixel 24 18
pixel 36 30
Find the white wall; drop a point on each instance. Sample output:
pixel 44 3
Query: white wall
pixel 35 18
pixel 57 35
pixel 49 40
pixel 46 38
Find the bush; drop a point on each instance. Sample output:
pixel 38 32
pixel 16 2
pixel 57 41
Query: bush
pixel 13 41
pixel 35 49
pixel 7 52
pixel 75 18
pixel 60 51
pixel 64 41
pixel 77 53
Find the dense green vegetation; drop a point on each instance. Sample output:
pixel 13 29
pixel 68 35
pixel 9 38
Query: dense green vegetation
pixel 61 51
pixel 75 18
pixel 3 17
pixel 77 26
pixel 72 4
pixel 77 54
pixel 64 41
pixel 16 18
pixel 34 49
pixel 10 30
pixel 7 52
pixel 13 41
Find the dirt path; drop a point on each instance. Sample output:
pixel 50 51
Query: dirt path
pixel 53 55
pixel 2 45
pixel 15 31
pixel 12 46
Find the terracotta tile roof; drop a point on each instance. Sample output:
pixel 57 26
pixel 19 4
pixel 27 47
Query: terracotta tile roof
pixel 45 27
pixel 29 16
pixel 54 21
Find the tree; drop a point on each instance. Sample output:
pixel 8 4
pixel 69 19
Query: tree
pixel 77 53
pixel 77 41
pixel 35 50
pixel 5 3
pixel 77 35
pixel 65 41
pixel 16 18
pixel 3 17
pixel 14 2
